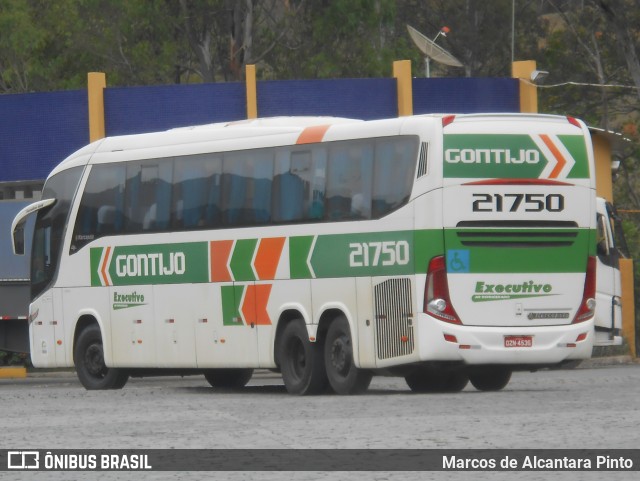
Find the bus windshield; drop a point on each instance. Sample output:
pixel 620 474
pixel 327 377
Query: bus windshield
pixel 50 227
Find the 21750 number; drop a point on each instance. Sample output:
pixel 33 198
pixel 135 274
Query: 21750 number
pixel 516 202
pixel 372 254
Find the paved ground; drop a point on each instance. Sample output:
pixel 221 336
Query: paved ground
pixel 593 407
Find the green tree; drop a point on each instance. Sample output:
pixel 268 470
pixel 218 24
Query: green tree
pixel 22 40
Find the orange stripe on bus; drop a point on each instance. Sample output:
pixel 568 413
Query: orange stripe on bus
pixel 556 153
pixel 219 258
pixel 105 263
pixel 268 257
pixel 313 134
pixel 254 307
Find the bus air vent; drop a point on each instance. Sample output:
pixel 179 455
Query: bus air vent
pixel 393 318
pixel 422 165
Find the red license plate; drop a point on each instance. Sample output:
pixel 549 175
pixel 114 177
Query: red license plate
pixel 518 341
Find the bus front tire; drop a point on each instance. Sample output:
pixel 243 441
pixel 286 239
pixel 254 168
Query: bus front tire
pixel 91 369
pixel 344 377
pixel 228 378
pixel 490 378
pixel 301 361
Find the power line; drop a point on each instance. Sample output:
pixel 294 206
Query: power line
pixel 582 84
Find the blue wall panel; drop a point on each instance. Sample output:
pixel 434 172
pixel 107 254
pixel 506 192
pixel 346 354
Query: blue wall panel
pixel 465 95
pixel 365 99
pixel 38 130
pixel 133 110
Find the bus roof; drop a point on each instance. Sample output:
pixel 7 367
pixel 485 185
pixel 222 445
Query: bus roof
pixel 289 128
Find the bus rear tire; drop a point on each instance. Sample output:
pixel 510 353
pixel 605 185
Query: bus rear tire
pixel 344 377
pixel 431 380
pixel 490 378
pixel 88 356
pixel 301 361
pixel 228 378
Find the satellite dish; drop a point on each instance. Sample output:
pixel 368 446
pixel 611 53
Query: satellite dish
pixel 432 51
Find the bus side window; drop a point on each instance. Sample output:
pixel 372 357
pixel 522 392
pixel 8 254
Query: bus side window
pixel 193 188
pixel 163 184
pixel 148 195
pixel 289 185
pixel 100 212
pixel 246 189
pixel 317 190
pixel 196 193
pixel 234 187
pixel 261 175
pixel 393 174
pixel 349 181
pixel 213 210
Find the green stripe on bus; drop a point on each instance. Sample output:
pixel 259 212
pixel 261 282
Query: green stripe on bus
pixel 95 254
pixel 509 156
pixel 545 251
pixel 241 260
pixel 231 299
pixel 359 255
pixel 299 248
pixel 364 254
pixel 575 144
pixel 179 263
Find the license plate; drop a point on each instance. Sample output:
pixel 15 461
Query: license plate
pixel 518 341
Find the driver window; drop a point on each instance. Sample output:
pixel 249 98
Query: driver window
pixel 603 237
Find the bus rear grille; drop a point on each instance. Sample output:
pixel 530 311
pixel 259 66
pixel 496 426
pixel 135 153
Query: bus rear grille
pixel 517 233
pixel 517 238
pixel 393 318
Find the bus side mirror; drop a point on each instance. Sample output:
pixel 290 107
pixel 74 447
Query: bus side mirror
pixel 17 227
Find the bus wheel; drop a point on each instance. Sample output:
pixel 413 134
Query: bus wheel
pixel 301 361
pixel 228 378
pixel 344 376
pixel 455 381
pixel 423 380
pixel 432 380
pixel 88 357
pixel 490 378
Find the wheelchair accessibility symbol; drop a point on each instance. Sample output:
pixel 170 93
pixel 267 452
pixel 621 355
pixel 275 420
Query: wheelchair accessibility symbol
pixel 457 260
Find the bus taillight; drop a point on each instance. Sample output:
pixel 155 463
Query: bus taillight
pixel 588 304
pixel 436 293
pixel 448 119
pixel 573 121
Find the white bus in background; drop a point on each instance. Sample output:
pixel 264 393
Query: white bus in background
pixel 444 249
pixel 611 246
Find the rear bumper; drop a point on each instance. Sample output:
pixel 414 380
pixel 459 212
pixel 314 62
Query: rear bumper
pixel 486 345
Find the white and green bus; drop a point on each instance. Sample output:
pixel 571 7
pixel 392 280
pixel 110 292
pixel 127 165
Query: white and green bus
pixel 443 249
